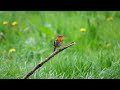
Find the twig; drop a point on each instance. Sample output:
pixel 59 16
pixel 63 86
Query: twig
pixel 48 58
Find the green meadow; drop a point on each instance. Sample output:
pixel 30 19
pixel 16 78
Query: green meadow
pixel 27 37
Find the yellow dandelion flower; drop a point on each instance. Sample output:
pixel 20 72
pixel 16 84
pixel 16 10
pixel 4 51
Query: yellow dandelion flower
pixel 110 18
pixel 14 23
pixel 82 29
pixel 5 22
pixel 12 50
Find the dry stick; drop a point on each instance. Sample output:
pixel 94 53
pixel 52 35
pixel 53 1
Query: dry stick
pixel 48 58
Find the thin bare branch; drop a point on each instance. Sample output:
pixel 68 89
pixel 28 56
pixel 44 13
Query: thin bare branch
pixel 48 58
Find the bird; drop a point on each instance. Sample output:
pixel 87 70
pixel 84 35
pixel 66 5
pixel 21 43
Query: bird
pixel 58 41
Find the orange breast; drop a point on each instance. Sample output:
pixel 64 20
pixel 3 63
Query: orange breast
pixel 60 39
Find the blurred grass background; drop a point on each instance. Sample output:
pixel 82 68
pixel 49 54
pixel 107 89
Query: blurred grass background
pixel 27 38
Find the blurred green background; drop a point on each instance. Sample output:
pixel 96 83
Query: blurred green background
pixel 27 37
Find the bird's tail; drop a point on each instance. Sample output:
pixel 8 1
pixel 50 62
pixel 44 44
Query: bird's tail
pixel 54 48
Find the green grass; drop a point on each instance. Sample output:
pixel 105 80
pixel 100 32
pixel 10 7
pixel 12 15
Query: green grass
pixel 95 56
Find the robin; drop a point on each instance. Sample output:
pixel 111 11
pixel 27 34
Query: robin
pixel 58 42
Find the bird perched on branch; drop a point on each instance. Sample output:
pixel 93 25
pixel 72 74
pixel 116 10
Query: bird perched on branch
pixel 58 41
